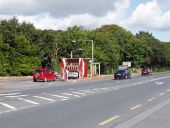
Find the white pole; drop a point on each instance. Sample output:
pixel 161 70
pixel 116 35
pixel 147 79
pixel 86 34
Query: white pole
pixel 71 54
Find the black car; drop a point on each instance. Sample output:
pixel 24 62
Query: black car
pixel 122 74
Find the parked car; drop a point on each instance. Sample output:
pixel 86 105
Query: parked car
pixel 122 73
pixel 57 75
pixel 44 74
pixel 146 71
pixel 73 75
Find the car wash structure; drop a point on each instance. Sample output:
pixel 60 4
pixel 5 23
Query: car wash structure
pixel 76 65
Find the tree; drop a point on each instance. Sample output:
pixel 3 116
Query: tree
pixel 157 49
pixel 106 50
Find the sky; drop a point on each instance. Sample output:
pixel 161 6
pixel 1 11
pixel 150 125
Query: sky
pixel 152 16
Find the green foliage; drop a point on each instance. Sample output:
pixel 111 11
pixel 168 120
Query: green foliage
pixel 23 48
pixel 106 50
pixel 18 52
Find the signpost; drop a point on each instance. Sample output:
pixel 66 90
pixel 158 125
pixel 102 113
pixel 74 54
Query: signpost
pixel 127 64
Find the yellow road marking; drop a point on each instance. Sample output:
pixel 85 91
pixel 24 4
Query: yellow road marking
pixel 161 94
pixel 151 99
pixel 135 107
pixel 109 120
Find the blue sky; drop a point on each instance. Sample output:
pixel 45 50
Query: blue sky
pixel 148 15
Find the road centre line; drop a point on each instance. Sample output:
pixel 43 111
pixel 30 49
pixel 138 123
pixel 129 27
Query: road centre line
pixel 135 107
pixel 8 106
pixel 29 101
pixel 151 99
pixel 109 120
pixel 44 98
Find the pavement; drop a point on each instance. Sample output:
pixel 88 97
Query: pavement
pixel 159 119
pixel 155 117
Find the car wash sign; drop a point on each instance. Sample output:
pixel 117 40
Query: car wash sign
pixel 127 64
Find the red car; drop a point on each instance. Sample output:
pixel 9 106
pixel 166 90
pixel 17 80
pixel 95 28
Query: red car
pixel 146 71
pixel 44 74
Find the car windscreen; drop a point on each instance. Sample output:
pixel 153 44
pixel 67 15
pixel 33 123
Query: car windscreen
pixel 39 71
pixel 120 71
pixel 145 69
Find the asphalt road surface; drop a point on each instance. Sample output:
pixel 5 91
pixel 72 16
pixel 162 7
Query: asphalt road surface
pixel 85 104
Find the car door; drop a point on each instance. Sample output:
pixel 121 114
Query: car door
pixel 48 74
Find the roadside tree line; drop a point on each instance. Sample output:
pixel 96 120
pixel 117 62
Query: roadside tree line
pixel 23 48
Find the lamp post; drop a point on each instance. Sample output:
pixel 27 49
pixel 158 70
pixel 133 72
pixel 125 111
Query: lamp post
pixel 92 54
pixel 79 49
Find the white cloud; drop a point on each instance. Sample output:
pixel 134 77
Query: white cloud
pixel 56 8
pixel 61 14
pixel 46 21
pixel 150 15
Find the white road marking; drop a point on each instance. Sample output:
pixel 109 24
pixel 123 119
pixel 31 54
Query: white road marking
pixel 68 94
pixel 64 99
pixel 44 98
pixel 87 91
pixel 9 94
pixel 151 99
pixel 114 88
pixel 168 90
pixel 159 83
pixel 16 96
pixel 79 93
pixel 104 88
pixel 59 96
pixel 136 107
pixel 97 89
pixel 29 101
pixel 161 94
pixel 27 107
pixel 8 106
pixel 159 78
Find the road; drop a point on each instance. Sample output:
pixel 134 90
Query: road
pixel 103 103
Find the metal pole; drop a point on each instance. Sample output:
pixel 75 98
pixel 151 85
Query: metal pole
pixel 92 58
pixel 99 69
pixel 92 50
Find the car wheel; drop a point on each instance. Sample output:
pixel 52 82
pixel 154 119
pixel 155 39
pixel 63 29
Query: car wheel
pixel 35 80
pixel 45 79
